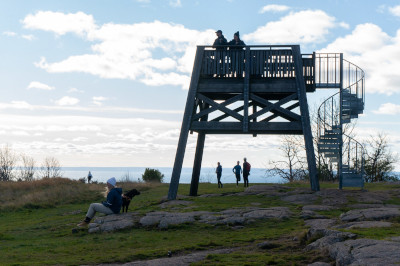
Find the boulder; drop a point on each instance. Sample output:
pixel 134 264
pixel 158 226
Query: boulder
pixel 320 223
pixel 113 222
pixel 328 238
pixel 317 208
pixel 268 213
pixel 363 224
pixel 366 252
pixel 307 214
pixel 369 214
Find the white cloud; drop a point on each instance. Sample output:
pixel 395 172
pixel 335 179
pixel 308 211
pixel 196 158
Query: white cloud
pixel 98 100
pixel 367 46
pixel 344 25
pixel 40 86
pixel 274 8
pixel 22 105
pixel 304 27
pixel 175 3
pixel 67 101
pixel 72 90
pixel 388 109
pixel 60 23
pixel 9 33
pixel 29 37
pixel 395 10
pixel 126 51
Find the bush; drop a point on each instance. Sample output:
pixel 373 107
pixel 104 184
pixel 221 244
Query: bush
pixel 152 175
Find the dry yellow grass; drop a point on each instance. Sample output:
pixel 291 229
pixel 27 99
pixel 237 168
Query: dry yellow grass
pixel 50 192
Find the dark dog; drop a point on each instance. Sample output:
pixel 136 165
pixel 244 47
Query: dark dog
pixel 127 197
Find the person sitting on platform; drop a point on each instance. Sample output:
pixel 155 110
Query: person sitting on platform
pixel 236 43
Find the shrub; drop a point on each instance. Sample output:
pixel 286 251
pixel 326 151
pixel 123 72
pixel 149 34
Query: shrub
pixel 152 175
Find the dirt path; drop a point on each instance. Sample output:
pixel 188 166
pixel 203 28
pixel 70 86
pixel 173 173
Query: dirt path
pixel 176 260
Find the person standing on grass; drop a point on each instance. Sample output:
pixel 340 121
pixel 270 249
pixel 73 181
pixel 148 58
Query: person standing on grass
pixel 218 171
pixel 89 177
pixel 246 172
pixel 237 169
pixel 110 206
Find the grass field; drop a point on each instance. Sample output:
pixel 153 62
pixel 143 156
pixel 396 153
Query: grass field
pixel 39 232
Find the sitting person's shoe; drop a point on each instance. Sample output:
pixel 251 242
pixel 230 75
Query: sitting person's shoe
pixel 83 224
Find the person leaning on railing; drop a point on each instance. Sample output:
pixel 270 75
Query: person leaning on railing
pixel 220 42
pixel 236 43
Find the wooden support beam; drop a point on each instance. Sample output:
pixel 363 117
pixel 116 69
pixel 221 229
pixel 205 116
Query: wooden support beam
pixel 240 108
pixel 291 107
pixel 221 107
pixel 215 105
pixel 246 91
pixel 216 127
pixel 275 107
pixel 305 118
pixel 187 118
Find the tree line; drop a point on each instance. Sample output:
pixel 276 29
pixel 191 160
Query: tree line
pixel 22 167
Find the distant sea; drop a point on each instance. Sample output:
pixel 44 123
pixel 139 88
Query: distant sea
pixel 207 174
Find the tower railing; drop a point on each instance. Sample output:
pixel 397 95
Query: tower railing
pixel 266 61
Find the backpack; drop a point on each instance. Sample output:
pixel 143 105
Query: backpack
pixel 248 167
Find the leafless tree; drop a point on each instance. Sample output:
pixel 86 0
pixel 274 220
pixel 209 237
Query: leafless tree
pixel 380 159
pixel 7 163
pixel 27 170
pixel 293 165
pixel 50 168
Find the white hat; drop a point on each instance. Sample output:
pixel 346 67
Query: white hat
pixel 112 181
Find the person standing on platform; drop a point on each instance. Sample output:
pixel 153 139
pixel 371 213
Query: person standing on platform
pixel 221 40
pixel 218 171
pixel 237 169
pixel 236 43
pixel 246 172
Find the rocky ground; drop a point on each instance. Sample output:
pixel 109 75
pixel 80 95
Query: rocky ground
pixel 327 234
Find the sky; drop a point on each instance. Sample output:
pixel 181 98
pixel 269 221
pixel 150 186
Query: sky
pixel 104 83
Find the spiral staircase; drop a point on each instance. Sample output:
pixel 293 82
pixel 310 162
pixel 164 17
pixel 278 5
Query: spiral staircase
pixel 335 146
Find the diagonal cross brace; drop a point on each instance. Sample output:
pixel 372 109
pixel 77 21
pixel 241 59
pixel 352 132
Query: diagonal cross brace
pixel 221 107
pixel 275 107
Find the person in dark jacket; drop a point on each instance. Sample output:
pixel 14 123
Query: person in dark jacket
pixel 246 172
pixel 221 40
pixel 237 169
pixel 236 43
pixel 110 206
pixel 218 171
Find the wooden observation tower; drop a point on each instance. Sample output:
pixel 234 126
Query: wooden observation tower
pixel 254 90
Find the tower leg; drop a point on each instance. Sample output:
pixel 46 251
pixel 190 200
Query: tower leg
pixel 197 164
pixel 305 119
pixel 187 118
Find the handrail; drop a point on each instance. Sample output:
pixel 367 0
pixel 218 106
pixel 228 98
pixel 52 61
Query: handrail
pixel 332 115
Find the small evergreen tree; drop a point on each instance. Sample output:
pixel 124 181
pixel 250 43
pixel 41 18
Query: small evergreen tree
pixel 152 175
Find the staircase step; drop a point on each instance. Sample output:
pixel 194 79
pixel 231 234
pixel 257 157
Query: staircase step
pixel 331 155
pixel 333 131
pixel 328 145
pixel 328 141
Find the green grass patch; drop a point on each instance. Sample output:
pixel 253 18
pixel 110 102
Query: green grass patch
pixel 38 232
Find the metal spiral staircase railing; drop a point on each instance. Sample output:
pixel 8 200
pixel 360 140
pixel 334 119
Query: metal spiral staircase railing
pixel 334 145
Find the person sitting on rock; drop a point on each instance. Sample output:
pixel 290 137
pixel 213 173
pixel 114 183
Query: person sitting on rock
pixel 110 206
